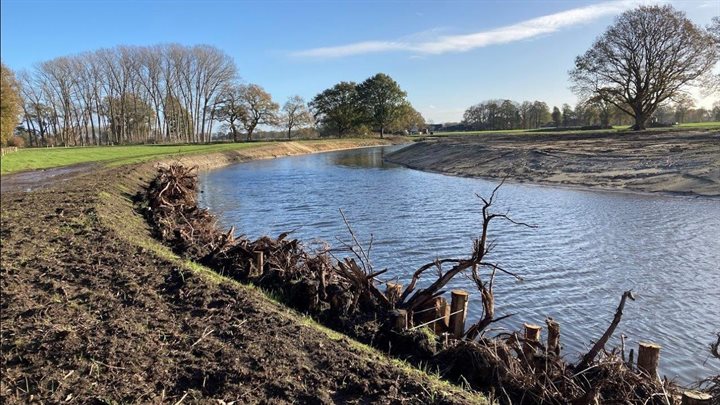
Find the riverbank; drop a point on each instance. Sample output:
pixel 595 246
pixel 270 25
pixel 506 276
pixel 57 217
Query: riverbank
pixel 94 309
pixel 214 156
pixel 682 163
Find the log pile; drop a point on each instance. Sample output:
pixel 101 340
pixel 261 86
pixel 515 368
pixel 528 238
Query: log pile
pixel 344 294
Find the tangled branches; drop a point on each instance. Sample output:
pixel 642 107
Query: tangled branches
pixel 343 293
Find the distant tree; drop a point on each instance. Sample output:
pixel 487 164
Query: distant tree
pixel 10 103
pixel 337 107
pixel 381 100
pixel 230 108
pixel 137 118
pixel 556 116
pixel 408 119
pixel 568 116
pixel 683 105
pixel 179 121
pixel 646 57
pixel 716 111
pixel 259 108
pixel 295 114
pixel 712 83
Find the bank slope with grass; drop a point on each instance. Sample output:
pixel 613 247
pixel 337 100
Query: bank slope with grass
pixel 45 158
pixel 96 310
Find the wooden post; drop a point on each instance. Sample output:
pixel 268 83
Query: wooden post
pixel 459 302
pixel 442 310
pixel 553 339
pixel 393 292
pixel 649 358
pixel 532 335
pixel 696 398
pixel 259 262
pixel 398 319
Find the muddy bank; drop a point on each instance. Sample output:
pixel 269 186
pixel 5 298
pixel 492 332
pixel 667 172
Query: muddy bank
pixel 685 163
pixel 95 311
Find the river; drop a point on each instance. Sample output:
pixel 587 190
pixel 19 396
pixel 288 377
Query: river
pixel 587 249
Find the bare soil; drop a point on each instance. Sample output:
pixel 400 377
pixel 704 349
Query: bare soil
pixel 685 163
pixel 93 312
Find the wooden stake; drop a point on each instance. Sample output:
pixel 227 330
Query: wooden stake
pixel 553 339
pixel 393 292
pixel 649 358
pixel 459 302
pixel 398 319
pixel 696 398
pixel 442 311
pixel 259 262
pixel 532 335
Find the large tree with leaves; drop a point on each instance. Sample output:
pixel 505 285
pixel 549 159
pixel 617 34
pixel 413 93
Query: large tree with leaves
pixel 381 100
pixel 10 103
pixel 338 107
pixel 649 55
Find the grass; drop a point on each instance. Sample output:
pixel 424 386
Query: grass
pixel 44 158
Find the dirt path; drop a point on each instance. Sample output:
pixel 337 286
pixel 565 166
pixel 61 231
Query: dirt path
pixel 39 179
pixel 93 312
pixel 671 162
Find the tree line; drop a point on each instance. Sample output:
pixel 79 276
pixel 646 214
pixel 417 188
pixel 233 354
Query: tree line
pixel 177 93
pixel 125 94
pixel 595 113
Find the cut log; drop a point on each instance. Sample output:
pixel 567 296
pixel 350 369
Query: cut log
pixel 649 358
pixel 532 339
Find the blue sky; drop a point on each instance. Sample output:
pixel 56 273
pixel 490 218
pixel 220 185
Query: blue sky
pixel 447 55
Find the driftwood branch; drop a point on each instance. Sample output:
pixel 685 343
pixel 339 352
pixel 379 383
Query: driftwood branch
pixel 600 344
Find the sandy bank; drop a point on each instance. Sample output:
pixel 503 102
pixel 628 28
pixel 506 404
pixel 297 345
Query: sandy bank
pixel 673 162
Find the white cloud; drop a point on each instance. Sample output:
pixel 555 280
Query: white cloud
pixel 463 43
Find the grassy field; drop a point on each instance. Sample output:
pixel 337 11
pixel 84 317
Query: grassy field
pixel 43 158
pixel 691 125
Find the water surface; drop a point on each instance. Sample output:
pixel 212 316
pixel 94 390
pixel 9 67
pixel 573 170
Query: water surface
pixel 588 248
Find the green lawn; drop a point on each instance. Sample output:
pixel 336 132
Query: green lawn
pixel 43 158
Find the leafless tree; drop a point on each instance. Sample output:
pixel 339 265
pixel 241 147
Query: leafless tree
pixel 295 114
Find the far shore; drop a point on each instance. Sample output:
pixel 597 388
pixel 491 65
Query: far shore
pixel 676 163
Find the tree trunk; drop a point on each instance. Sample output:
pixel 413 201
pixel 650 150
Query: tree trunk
pixel 641 118
pixel 382 132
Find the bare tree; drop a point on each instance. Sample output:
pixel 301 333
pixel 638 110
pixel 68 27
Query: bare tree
pixel 646 57
pixel 295 114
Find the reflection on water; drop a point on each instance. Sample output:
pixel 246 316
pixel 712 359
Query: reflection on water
pixel 588 249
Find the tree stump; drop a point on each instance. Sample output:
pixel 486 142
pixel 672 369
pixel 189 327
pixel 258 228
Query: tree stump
pixel 398 319
pixel 553 339
pixel 648 358
pixel 532 339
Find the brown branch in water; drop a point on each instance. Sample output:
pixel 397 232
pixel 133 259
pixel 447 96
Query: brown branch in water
pixel 600 344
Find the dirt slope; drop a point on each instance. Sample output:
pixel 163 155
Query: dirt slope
pixel 668 162
pixel 95 311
